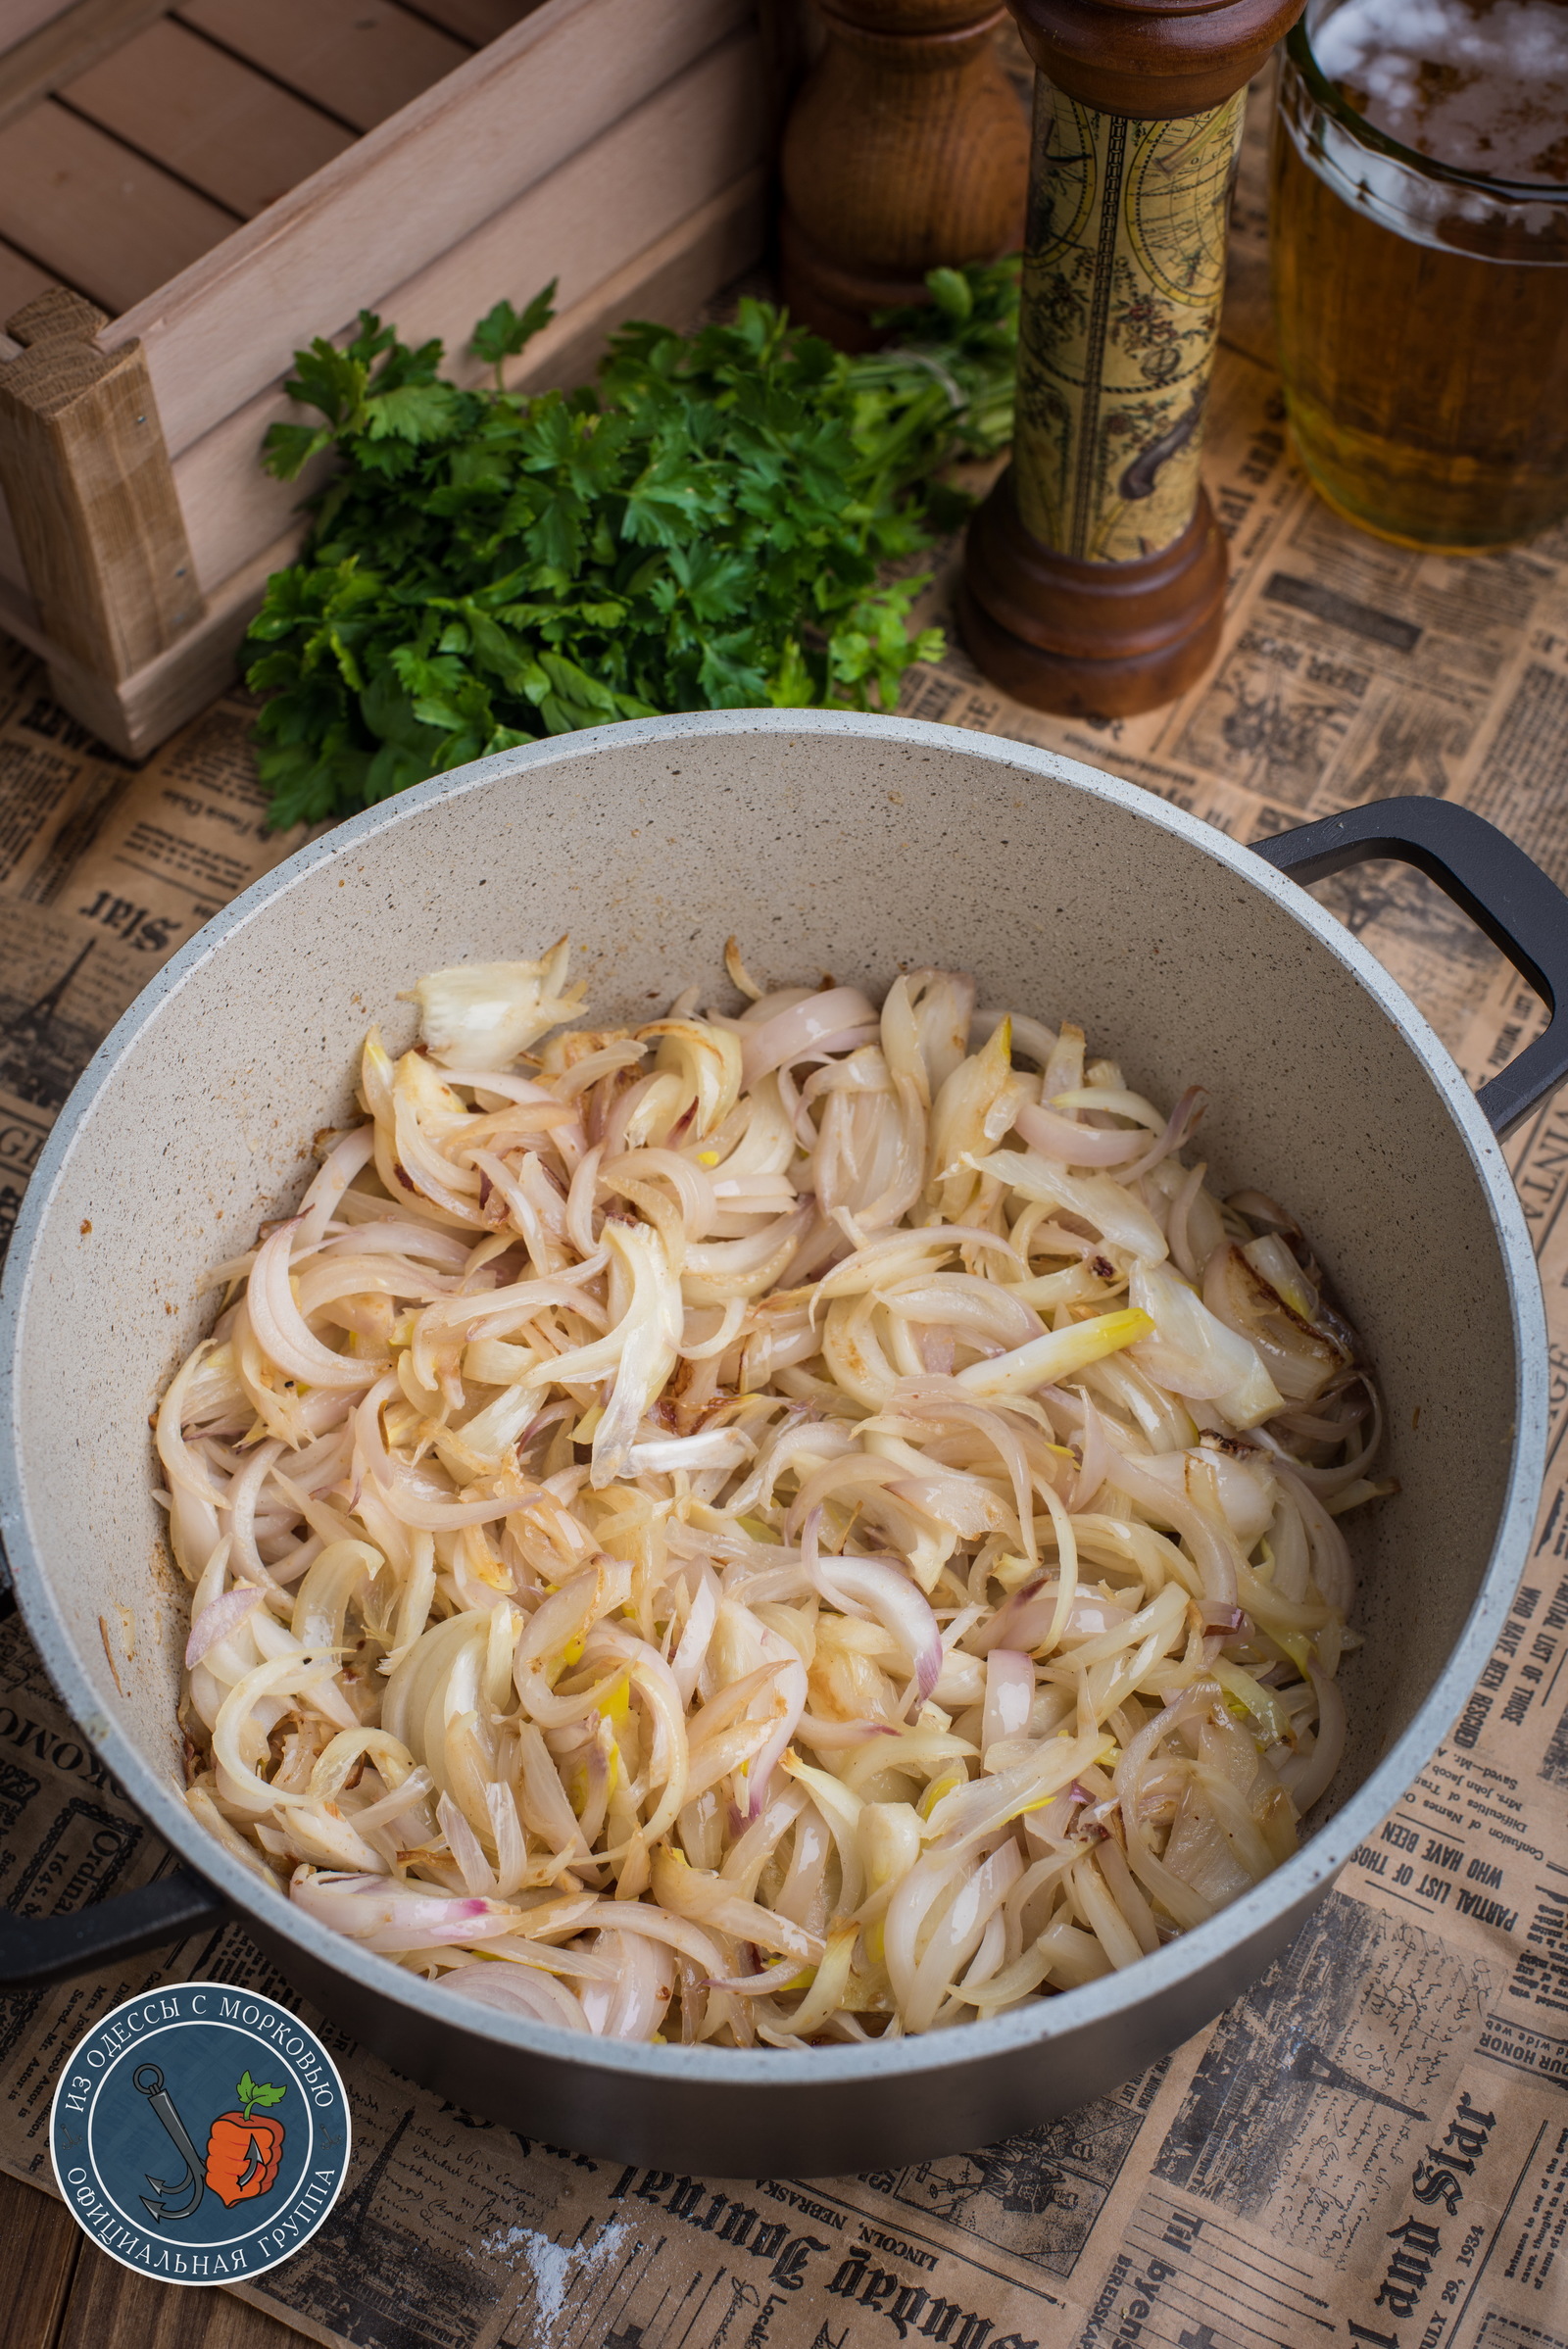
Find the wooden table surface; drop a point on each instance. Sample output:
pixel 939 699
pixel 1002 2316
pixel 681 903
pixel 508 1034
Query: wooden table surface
pixel 59 2291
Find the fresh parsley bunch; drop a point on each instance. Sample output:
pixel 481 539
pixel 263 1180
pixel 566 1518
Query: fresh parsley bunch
pixel 712 528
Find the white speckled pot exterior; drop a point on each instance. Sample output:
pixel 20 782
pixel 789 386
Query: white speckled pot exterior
pixel 834 843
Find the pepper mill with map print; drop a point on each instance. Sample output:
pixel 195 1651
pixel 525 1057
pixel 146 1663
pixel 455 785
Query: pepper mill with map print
pixel 1094 574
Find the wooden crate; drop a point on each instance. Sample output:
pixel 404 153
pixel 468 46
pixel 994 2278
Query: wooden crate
pixel 214 182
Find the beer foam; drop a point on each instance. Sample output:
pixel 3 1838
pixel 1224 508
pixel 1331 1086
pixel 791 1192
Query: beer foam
pixel 1482 87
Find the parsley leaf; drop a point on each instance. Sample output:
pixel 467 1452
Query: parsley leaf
pixel 732 517
pixel 503 332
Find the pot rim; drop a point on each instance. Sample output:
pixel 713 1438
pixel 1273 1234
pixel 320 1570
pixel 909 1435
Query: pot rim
pixel 1180 1962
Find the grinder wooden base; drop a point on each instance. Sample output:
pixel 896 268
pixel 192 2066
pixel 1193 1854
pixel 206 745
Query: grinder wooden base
pixel 1094 640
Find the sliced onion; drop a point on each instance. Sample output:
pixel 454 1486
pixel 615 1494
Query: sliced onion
pixel 1300 1359
pixel 1010 1695
pixel 343 1162
pixel 1096 1199
pixel 1034 1619
pixel 714 1447
pixel 373 1910
pixel 281 1330
pixel 1180 1127
pixel 693 1892
pixel 817 1023
pixel 1204 1532
pixel 518 1990
pixel 871 1587
pixel 1304 1777
pixel 217 1621
pixel 634 2003
pixel 1056 1356
pixel 1193 1352
pixel 481 1015
pixel 791 1692
pixel 879 1261
pixel 840 1737
pixel 1072 1145
pixel 678 1933
pixel 703 1277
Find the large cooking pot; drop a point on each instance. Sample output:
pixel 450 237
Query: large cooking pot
pixel 826 842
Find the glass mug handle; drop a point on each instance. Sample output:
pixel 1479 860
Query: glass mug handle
pixel 1503 890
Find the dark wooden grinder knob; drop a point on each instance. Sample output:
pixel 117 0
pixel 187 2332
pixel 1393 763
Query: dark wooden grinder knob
pixel 1095 574
pixel 907 150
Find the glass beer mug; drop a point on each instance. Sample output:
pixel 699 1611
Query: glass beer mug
pixel 1420 264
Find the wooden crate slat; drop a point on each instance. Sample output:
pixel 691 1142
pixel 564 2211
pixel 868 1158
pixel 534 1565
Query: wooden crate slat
pixel 650 171
pixel 363 59
pixel 13 581
pixel 89 489
pixel 193 107
pixel 218 335
pixel 668 283
pixel 61 42
pixel 140 712
pixel 688 144
pixel 20 18
pixel 231 507
pixel 20 280
pixel 81 204
pixel 18 618
pixel 475 21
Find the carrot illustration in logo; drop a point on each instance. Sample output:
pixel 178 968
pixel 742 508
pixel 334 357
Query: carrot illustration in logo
pixel 242 2152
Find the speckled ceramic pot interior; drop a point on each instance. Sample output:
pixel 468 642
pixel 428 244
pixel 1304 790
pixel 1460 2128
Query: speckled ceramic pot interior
pixel 825 843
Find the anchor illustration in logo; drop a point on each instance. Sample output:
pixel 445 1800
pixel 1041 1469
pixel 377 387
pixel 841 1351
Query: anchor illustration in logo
pixel 242 2157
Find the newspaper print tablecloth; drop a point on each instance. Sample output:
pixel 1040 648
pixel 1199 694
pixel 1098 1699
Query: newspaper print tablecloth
pixel 1372 2147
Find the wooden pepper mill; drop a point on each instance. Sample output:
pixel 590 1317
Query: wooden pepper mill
pixel 906 149
pixel 1095 574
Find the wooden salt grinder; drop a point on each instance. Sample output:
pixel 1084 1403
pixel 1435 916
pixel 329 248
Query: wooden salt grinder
pixel 906 149
pixel 1095 574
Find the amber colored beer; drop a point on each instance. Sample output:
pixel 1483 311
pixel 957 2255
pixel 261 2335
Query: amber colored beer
pixel 1422 309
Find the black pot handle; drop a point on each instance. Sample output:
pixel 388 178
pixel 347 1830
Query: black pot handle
pixel 1501 888
pixel 43 1949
